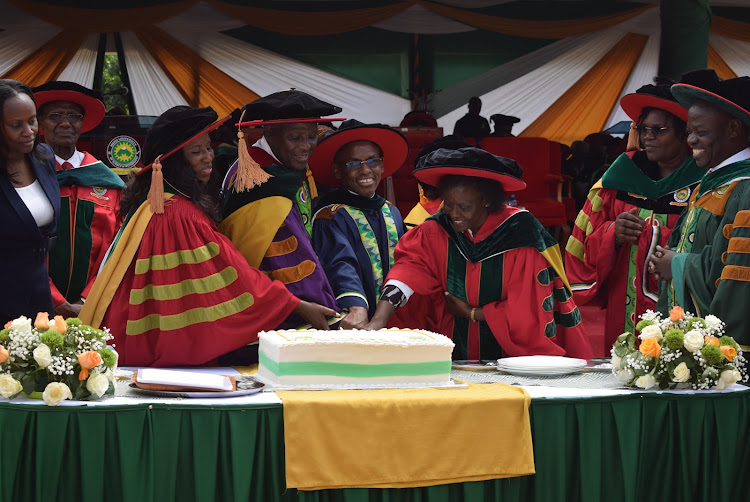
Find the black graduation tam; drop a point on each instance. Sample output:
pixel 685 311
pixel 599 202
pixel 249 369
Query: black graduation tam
pixel 731 95
pixel 499 118
pixel 652 96
pixel 470 161
pixel 451 142
pixel 174 128
pixel 391 142
pixel 285 107
pixel 61 90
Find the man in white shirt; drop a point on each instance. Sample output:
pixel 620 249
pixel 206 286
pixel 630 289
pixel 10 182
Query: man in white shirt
pixel 90 192
pixel 707 266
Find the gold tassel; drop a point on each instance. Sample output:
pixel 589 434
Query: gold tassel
pixel 311 183
pixel 156 191
pixel 249 173
pixel 633 140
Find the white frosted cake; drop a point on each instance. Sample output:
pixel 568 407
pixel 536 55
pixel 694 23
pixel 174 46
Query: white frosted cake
pixel 352 358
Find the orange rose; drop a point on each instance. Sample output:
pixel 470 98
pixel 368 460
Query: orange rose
pixel 728 351
pixel 60 325
pixel 88 360
pixel 650 347
pixel 3 354
pixel 676 313
pixel 7 324
pixel 711 340
pixel 42 320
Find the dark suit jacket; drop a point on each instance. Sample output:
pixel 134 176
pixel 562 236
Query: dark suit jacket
pixel 24 281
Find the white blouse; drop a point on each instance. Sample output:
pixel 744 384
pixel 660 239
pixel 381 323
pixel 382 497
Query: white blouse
pixel 37 202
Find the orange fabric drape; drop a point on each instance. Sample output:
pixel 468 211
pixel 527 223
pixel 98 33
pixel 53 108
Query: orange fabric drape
pixel 102 20
pixel 730 28
pixel 310 23
pixel 721 67
pixel 534 29
pixel 47 62
pixel 199 82
pixel 585 107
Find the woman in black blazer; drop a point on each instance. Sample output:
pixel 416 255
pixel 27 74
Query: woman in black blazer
pixel 29 206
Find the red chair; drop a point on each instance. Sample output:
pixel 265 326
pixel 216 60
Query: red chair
pixel 542 184
pixel 406 193
pixel 565 188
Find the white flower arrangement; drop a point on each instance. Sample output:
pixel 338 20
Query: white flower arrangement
pixel 682 350
pixel 59 358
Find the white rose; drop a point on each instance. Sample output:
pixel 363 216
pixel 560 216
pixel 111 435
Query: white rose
pixel 97 384
pixel 681 373
pixel 22 325
pixel 645 381
pixel 55 393
pixel 730 377
pixel 651 331
pixel 9 386
pixel 42 356
pixel 616 360
pixel 625 376
pixel 693 340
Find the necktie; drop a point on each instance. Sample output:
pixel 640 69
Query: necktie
pixel 66 166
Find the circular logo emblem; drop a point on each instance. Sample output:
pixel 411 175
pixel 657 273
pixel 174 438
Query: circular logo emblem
pixel 723 189
pixel 682 195
pixel 123 151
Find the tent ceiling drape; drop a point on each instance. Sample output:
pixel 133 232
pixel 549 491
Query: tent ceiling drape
pixel 180 52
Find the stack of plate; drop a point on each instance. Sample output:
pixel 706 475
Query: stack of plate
pixel 540 365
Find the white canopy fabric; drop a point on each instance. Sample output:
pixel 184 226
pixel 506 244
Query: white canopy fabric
pixel 81 68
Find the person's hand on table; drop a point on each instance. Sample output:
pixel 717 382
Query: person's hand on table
pixel 314 314
pixel 660 263
pixel 355 319
pixel 628 227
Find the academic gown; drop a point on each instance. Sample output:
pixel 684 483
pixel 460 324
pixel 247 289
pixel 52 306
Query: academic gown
pixel 615 276
pixel 89 220
pixel 711 270
pixel 269 225
pixel 355 239
pixel 175 292
pixel 24 246
pixel 423 210
pixel 512 268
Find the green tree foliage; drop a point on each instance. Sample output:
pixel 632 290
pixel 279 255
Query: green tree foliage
pixel 111 80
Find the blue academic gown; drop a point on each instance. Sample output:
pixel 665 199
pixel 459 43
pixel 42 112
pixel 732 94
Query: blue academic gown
pixel 355 274
pixel 24 246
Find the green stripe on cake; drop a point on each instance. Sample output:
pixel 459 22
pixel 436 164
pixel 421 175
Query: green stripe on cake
pixel 354 370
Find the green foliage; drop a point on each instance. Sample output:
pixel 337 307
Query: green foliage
pixel 111 80
pixel 696 322
pixel 674 338
pixel 52 339
pixel 712 354
pixel 109 358
pixel 642 324
pixel 4 335
pixel 728 340
pixel 73 321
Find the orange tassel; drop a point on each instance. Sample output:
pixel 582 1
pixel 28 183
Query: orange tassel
pixel 633 140
pixel 311 183
pixel 156 192
pixel 249 173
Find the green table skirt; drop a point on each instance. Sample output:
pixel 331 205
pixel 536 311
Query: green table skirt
pixel 625 448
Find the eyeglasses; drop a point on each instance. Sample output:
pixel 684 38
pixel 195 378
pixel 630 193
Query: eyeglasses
pixel 57 118
pixel 652 131
pixel 370 163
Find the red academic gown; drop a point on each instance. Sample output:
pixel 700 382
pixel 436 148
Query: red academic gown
pixel 515 274
pixel 89 219
pixel 188 296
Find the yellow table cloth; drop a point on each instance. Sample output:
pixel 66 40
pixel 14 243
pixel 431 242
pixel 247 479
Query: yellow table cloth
pixel 397 438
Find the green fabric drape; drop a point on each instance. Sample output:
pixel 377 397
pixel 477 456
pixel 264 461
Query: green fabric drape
pixel 684 36
pixel 622 448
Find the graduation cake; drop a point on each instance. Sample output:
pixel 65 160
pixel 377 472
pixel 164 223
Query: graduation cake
pixel 353 358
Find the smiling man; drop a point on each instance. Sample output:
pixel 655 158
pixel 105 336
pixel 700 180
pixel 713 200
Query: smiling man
pixel 90 192
pixel 355 230
pixel 270 223
pixel 706 267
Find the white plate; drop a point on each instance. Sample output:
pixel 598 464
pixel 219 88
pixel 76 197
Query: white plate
pixel 541 365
